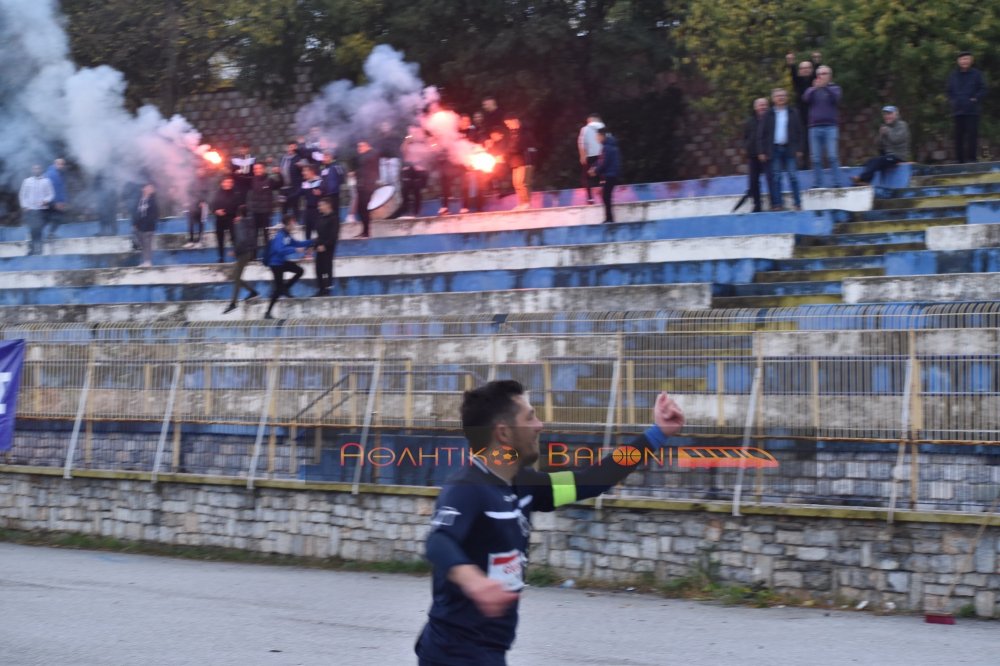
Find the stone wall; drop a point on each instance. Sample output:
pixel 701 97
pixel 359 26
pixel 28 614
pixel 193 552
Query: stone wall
pixel 841 555
pixel 710 148
pixel 227 118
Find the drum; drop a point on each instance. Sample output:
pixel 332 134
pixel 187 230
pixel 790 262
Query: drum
pixel 385 202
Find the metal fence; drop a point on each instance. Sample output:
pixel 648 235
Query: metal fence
pixel 857 406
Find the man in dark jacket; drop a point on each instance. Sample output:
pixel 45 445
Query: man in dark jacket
pixel 752 135
pixel 803 74
pixel 327 233
pixel 245 246
pixel 608 169
pixel 311 191
pixel 520 157
pixel 144 218
pixel 281 254
pixel 225 204
pixel 781 138
pixel 260 200
pixel 366 172
pixel 333 177
pixel 966 89
pixel 290 168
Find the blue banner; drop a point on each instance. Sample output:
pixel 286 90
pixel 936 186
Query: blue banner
pixel 11 360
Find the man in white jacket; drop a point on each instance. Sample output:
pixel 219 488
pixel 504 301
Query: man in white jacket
pixel 590 150
pixel 36 196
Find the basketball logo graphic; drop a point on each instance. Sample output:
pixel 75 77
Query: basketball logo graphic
pixel 626 456
pixel 503 455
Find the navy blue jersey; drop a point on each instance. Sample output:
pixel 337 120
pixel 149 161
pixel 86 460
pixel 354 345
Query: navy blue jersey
pixel 479 519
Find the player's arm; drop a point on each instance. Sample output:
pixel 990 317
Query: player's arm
pixel 455 514
pixel 555 489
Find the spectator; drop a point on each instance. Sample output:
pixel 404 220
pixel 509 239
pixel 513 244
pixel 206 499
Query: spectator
pixel 35 197
pixel 282 252
pixel 225 203
pixel 57 209
pixel 803 74
pixel 290 168
pixel 589 148
pixel 893 144
pixel 245 247
pixel 780 143
pixel 200 193
pixel 520 158
pixel 414 177
pixel 823 99
pixel 366 173
pixel 492 116
pixel 260 201
pixel 241 168
pixel 327 234
pixel 608 169
pixel 144 219
pixel 312 190
pixel 333 176
pixel 752 135
pixel 389 145
pixel 966 89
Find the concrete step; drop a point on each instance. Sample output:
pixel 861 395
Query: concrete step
pixel 784 288
pixel 930 262
pixel 920 170
pixel 942 201
pixel 117 251
pixel 957 179
pixel 213 286
pixel 829 275
pixel 864 239
pixel 520 301
pixel 818 251
pixel 884 214
pixel 973 189
pixel 896 226
pixel 829 263
pixel 774 301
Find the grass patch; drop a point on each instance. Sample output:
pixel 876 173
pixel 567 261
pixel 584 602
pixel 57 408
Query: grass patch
pixel 206 553
pixel 541 575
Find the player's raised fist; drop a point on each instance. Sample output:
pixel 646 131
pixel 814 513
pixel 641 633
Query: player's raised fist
pixel 667 415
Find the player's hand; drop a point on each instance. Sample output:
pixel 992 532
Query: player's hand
pixel 667 415
pixel 490 596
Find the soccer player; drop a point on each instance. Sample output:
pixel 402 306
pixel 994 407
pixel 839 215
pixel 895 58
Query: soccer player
pixel 482 522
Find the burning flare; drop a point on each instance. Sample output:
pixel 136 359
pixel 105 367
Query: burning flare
pixel 213 157
pixel 483 161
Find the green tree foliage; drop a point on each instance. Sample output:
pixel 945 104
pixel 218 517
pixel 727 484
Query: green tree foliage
pixel 163 47
pixel 882 51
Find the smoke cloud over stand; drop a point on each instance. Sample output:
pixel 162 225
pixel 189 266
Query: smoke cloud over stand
pixel 51 108
pixel 345 113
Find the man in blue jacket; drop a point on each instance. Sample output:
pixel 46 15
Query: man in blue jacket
pixel 966 89
pixel 823 99
pixel 608 169
pixel 281 253
pixel 481 526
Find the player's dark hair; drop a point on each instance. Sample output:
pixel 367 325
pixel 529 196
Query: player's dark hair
pixel 484 407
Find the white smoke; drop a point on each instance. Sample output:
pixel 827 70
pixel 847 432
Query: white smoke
pixel 51 108
pixel 393 93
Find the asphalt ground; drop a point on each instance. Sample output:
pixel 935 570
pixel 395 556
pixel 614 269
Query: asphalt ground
pixel 84 608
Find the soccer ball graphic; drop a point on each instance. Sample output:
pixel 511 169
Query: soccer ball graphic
pixel 503 455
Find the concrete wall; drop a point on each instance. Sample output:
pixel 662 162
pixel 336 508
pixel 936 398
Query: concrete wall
pixel 923 288
pixel 845 554
pixel 963 237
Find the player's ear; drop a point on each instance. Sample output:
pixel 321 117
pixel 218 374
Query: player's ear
pixel 502 432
